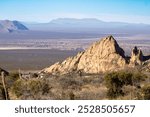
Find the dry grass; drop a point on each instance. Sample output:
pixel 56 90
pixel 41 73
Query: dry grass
pixel 66 87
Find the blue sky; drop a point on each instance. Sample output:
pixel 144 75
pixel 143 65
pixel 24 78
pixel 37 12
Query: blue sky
pixel 136 11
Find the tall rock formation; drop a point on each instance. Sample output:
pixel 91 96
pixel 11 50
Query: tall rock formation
pixel 136 57
pixel 104 55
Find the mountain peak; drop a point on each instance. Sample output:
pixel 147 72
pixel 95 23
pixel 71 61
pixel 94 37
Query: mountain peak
pixel 107 45
pixel 11 26
pixel 101 56
pixel 92 21
pixel 110 37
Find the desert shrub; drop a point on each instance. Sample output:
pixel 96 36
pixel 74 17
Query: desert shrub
pixel 32 88
pixel 114 85
pixel 14 76
pixel 146 92
pixel 66 95
pixel 36 86
pixel 116 80
pixel 138 77
pixel 70 83
pixel 18 88
pixel 94 93
pixel 125 77
pixel 72 96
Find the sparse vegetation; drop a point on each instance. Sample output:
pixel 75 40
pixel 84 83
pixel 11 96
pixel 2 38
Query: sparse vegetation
pixel 146 92
pixel 115 82
pixel 13 76
pixel 80 80
pixel 115 85
pixel 30 89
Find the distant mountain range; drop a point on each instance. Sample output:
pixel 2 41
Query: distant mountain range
pixel 70 25
pixel 11 26
pixel 67 28
pixel 89 25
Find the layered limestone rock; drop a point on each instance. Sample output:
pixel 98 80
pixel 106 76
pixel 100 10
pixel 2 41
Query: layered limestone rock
pixel 137 57
pixel 104 55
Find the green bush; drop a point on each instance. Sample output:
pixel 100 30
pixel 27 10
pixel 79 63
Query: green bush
pixel 18 88
pixel 114 85
pixel 138 77
pixel 14 75
pixel 36 86
pixel 116 80
pixel 30 88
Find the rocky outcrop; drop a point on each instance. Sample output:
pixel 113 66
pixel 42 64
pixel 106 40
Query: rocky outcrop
pixel 69 65
pixel 104 55
pixel 137 57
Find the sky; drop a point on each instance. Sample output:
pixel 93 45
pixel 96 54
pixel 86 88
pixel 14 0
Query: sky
pixel 132 11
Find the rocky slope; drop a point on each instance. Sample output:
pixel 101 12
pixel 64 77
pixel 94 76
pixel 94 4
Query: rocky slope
pixel 104 55
pixel 7 26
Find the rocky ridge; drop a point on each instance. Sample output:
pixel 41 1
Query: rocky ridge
pixel 102 56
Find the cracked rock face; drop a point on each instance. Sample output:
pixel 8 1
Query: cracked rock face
pixel 101 56
pixel 104 55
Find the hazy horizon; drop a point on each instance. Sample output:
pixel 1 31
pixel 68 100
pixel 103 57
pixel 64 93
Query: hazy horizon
pixel 90 18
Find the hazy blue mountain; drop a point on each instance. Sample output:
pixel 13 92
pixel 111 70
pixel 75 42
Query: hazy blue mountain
pixel 62 24
pixel 11 26
pixel 88 25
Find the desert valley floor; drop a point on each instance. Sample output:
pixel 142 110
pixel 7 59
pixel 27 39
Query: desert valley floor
pixel 37 54
pixel 33 74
